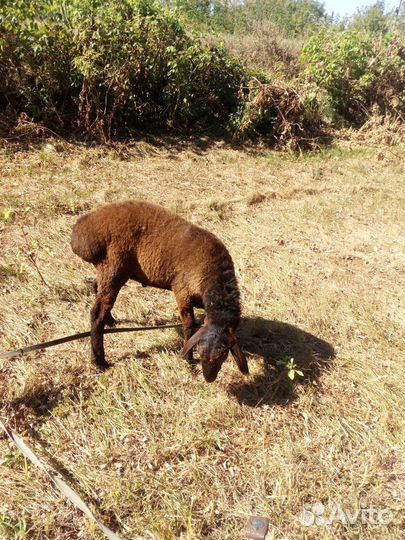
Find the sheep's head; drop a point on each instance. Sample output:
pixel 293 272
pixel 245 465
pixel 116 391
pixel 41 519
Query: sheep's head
pixel 213 344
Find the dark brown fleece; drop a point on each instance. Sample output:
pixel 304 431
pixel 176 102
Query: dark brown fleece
pixel 147 243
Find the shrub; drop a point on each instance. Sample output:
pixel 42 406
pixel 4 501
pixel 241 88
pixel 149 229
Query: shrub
pixel 280 115
pixel 36 58
pixel 105 66
pixel 359 71
pixel 203 83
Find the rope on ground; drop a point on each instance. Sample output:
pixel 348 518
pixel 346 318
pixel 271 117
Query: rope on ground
pixel 46 344
pixel 29 454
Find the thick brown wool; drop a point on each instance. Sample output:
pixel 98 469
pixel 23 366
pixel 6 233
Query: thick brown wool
pixel 147 243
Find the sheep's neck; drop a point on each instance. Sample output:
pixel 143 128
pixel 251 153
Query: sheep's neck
pixel 222 303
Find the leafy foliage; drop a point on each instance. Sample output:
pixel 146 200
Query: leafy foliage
pixel 294 17
pixel 105 65
pixel 358 70
pixel 35 56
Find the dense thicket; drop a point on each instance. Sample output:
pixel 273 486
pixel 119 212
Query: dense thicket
pixel 283 70
pixel 358 71
pixel 104 66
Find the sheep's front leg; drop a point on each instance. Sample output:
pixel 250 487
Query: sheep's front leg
pixel 189 328
pixel 107 293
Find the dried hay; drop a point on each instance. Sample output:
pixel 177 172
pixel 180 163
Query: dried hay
pixel 282 116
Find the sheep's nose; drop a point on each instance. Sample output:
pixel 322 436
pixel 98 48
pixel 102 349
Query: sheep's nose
pixel 210 377
pixel 210 372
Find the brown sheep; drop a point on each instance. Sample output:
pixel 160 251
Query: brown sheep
pixel 147 243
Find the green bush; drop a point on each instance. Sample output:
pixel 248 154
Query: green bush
pixel 36 57
pixel 359 71
pixel 105 66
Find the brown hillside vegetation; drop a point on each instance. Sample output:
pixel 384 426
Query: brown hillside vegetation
pixel 318 245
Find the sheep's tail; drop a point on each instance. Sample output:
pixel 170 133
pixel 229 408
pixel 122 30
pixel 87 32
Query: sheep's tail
pixel 87 242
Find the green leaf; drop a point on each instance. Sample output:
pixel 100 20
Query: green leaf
pixel 7 214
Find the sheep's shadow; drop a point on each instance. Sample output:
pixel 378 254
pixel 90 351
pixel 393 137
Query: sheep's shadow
pixel 272 341
pixel 276 343
pixel 37 403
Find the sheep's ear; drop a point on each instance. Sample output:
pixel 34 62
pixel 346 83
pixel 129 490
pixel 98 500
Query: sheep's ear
pixel 195 338
pixel 240 358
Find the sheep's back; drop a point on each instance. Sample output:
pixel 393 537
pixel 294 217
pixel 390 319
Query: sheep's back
pixel 154 246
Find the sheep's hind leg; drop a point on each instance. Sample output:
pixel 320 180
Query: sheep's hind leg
pixel 110 321
pixel 107 292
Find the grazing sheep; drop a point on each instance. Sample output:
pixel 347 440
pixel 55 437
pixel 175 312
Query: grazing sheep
pixel 147 243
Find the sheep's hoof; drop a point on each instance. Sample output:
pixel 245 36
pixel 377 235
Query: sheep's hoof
pixel 102 365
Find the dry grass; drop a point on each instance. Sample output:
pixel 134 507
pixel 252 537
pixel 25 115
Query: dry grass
pixel 264 48
pixel 318 246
